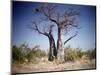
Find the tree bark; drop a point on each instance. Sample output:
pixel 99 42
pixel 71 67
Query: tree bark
pixel 52 48
pixel 60 45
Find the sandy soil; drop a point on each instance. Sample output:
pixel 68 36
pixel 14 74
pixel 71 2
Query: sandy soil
pixel 52 66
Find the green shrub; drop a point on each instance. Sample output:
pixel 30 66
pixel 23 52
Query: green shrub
pixel 39 53
pixel 76 53
pixel 17 55
pixel 32 55
pixel 70 55
pixel 80 53
pixel 91 53
pixel 73 54
pixel 25 54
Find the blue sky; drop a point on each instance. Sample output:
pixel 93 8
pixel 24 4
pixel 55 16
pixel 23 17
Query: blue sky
pixel 22 16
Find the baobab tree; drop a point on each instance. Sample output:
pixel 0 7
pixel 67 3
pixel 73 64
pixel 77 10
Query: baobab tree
pixel 63 20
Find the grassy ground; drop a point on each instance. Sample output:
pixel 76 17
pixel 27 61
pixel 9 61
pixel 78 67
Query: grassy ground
pixel 44 65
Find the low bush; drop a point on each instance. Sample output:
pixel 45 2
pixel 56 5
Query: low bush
pixel 17 55
pixel 80 53
pixel 91 53
pixel 22 55
pixel 32 55
pixel 73 54
pixel 70 55
pixel 76 53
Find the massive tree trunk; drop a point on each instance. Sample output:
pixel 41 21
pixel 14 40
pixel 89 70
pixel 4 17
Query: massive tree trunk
pixel 60 45
pixel 52 48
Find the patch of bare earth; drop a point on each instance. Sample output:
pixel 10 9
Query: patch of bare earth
pixel 52 66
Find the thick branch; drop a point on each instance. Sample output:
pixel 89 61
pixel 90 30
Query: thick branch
pixel 53 21
pixel 48 15
pixel 70 38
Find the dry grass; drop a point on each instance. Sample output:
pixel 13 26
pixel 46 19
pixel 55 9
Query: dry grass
pixel 45 65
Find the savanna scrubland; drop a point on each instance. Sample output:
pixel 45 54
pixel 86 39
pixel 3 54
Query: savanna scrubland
pixel 26 60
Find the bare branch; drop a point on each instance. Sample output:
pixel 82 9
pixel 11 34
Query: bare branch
pixel 70 38
pixel 48 11
pixel 71 12
pixel 50 29
pixel 35 27
pixel 69 19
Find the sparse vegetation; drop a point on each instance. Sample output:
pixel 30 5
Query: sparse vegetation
pixel 73 54
pixel 91 53
pixel 21 56
pixel 32 55
pixel 17 55
pixel 36 60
